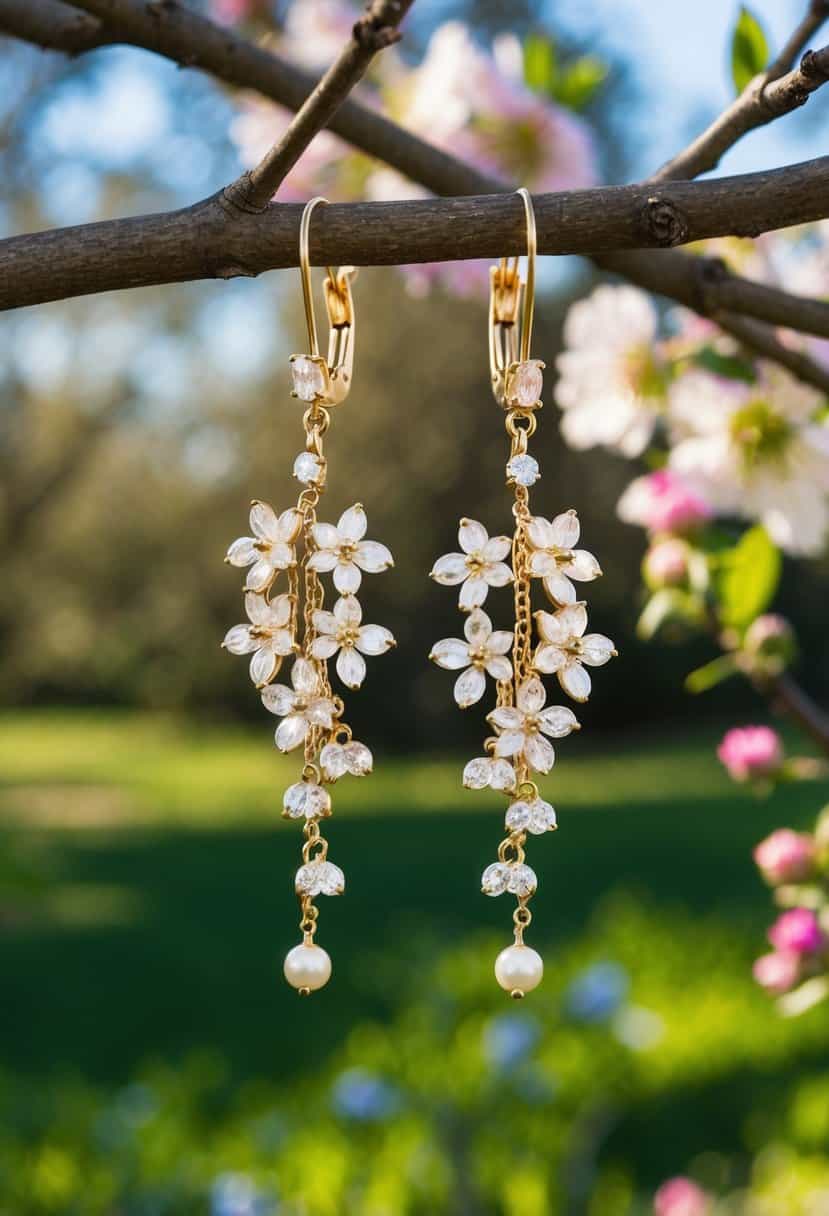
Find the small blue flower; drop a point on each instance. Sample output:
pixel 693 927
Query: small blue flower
pixel 363 1096
pixel 509 1038
pixel 238 1195
pixel 598 993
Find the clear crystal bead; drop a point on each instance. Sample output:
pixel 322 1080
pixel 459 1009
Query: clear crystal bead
pixel 308 379
pixel 519 816
pixel 358 759
pixel 527 383
pixel 308 468
pixel 307 799
pixel 523 470
pixel 521 880
pixel 495 878
pixel 319 878
pixel 542 817
pixel 476 774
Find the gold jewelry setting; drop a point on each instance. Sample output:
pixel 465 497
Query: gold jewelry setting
pixel 516 659
pixel 296 547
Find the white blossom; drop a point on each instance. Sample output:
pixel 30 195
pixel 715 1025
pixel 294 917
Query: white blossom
pixel 265 636
pixel 301 707
pixel 612 381
pixel 489 772
pixel 756 451
pixel 270 549
pixel 554 558
pixel 522 728
pixel 564 649
pixel 337 759
pixel 319 877
pixel 513 876
pixel 341 631
pixel 483 651
pixel 480 566
pixel 343 550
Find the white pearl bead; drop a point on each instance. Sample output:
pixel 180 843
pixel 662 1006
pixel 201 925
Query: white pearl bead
pixel 307 966
pixel 519 969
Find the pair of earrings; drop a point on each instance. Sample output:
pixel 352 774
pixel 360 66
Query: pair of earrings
pixel 298 549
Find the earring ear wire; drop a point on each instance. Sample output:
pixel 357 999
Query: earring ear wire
pixel 516 379
pixel 326 380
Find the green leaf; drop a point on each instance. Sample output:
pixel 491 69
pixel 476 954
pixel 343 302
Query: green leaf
pixel 540 68
pixel 668 605
pixel 749 49
pixel 711 674
pixel 731 366
pixel 578 84
pixel 748 578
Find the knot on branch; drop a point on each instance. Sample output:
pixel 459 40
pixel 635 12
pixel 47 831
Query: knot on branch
pixel 662 223
pixel 814 66
pixel 377 28
pixel 709 274
pixel 238 196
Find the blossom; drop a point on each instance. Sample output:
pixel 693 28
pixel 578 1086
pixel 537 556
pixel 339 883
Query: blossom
pixel 681 1197
pixel 785 856
pixel 302 707
pixel 777 972
pixel 266 635
pixel 480 566
pixel 662 502
pixel 769 643
pixel 483 651
pixel 797 931
pixel 341 631
pixel 612 379
pixel 554 558
pixel 522 728
pixel 666 563
pixel 488 772
pixel 343 550
pixel 565 649
pixel 750 752
pixel 337 759
pixel 270 549
pixel 756 451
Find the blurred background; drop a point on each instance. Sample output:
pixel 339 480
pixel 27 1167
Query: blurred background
pixel 151 1058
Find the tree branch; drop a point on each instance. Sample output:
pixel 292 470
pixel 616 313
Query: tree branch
pixel 52 25
pixel 816 14
pixel 760 339
pixel 789 698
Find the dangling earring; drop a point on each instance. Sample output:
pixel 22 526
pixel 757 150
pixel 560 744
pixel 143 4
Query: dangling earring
pixel 540 549
pixel 294 547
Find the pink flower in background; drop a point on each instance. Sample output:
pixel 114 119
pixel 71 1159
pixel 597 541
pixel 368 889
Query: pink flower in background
pixel 751 752
pixel 797 932
pixel 681 1197
pixel 666 563
pixel 785 856
pixel 229 12
pixel 777 973
pixel 663 502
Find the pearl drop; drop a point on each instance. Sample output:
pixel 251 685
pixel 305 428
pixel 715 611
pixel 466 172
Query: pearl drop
pixel 519 969
pixel 307 966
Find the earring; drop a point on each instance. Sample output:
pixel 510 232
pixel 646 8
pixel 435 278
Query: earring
pixel 295 547
pixel 539 549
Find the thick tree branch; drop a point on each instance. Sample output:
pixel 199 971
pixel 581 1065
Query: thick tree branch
pixel 762 341
pixel 816 14
pixel 215 239
pixel 52 25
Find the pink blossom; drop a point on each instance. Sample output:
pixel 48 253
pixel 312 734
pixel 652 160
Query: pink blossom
pixel 796 932
pixel 662 502
pixel 785 856
pixel 751 752
pixel 666 563
pixel 778 972
pixel 229 12
pixel 681 1197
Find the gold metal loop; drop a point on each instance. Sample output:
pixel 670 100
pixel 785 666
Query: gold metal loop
pixel 336 370
pixel 506 351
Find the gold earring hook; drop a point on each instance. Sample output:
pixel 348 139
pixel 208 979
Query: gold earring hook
pixel 327 381
pixel 515 377
pixel 529 287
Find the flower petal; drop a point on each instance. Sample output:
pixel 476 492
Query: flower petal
pixel 374 639
pixel 260 576
pixel 238 640
pixel 497 574
pixel 596 649
pixel 347 612
pixel 358 759
pixel 575 681
pixel 288 525
pixel 476 773
pixel 550 627
pixel 282 641
pixel 477 627
pixel 542 563
pixel 566 530
pixel 325 536
pixel 304 677
pixel 320 712
pixel 496 548
pixel 347 578
pixel 473 593
pixel 333 761
pixel 325 622
pixel 352 523
pixel 500 642
pixel 510 743
pixel 242 552
pixel 277 614
pixel 450 569
pixel 450 653
pixel 263 522
pixel 583 566
pixel 549 658
pixel 323 560
pixel 324 646
pixel 573 619
pixel 351 667
pixel 499 667
pixel 539 753
pixel 472 536
pixel 501 775
pixel 557 721
pixel 540 532
pixel 373 557
pixel 290 732
pixel 531 696
pixel 280 555
pixel 278 699
pixel 263 666
pixel 559 588
pixel 469 687
pixel 506 717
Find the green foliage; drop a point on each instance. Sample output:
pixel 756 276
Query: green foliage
pixel 734 367
pixel 669 606
pixel 749 49
pixel 711 674
pixel 540 66
pixel 746 578
pixel 572 85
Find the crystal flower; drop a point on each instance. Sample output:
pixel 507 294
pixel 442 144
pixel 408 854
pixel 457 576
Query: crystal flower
pixel 535 816
pixel 555 560
pixel 482 651
pixel 341 631
pixel 488 772
pixel 565 649
pixel 512 876
pixel 302 707
pixel 480 566
pixel 319 878
pixel 265 636
pixel 337 759
pixel 343 550
pixel 522 728
pixel 306 799
pixel 270 548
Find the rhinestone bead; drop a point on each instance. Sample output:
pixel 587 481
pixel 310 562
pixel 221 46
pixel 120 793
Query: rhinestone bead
pixel 304 798
pixel 495 878
pixel 527 383
pixel 523 470
pixel 308 468
pixel 308 378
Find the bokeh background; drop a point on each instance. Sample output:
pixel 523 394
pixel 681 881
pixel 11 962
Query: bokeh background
pixel 151 1058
